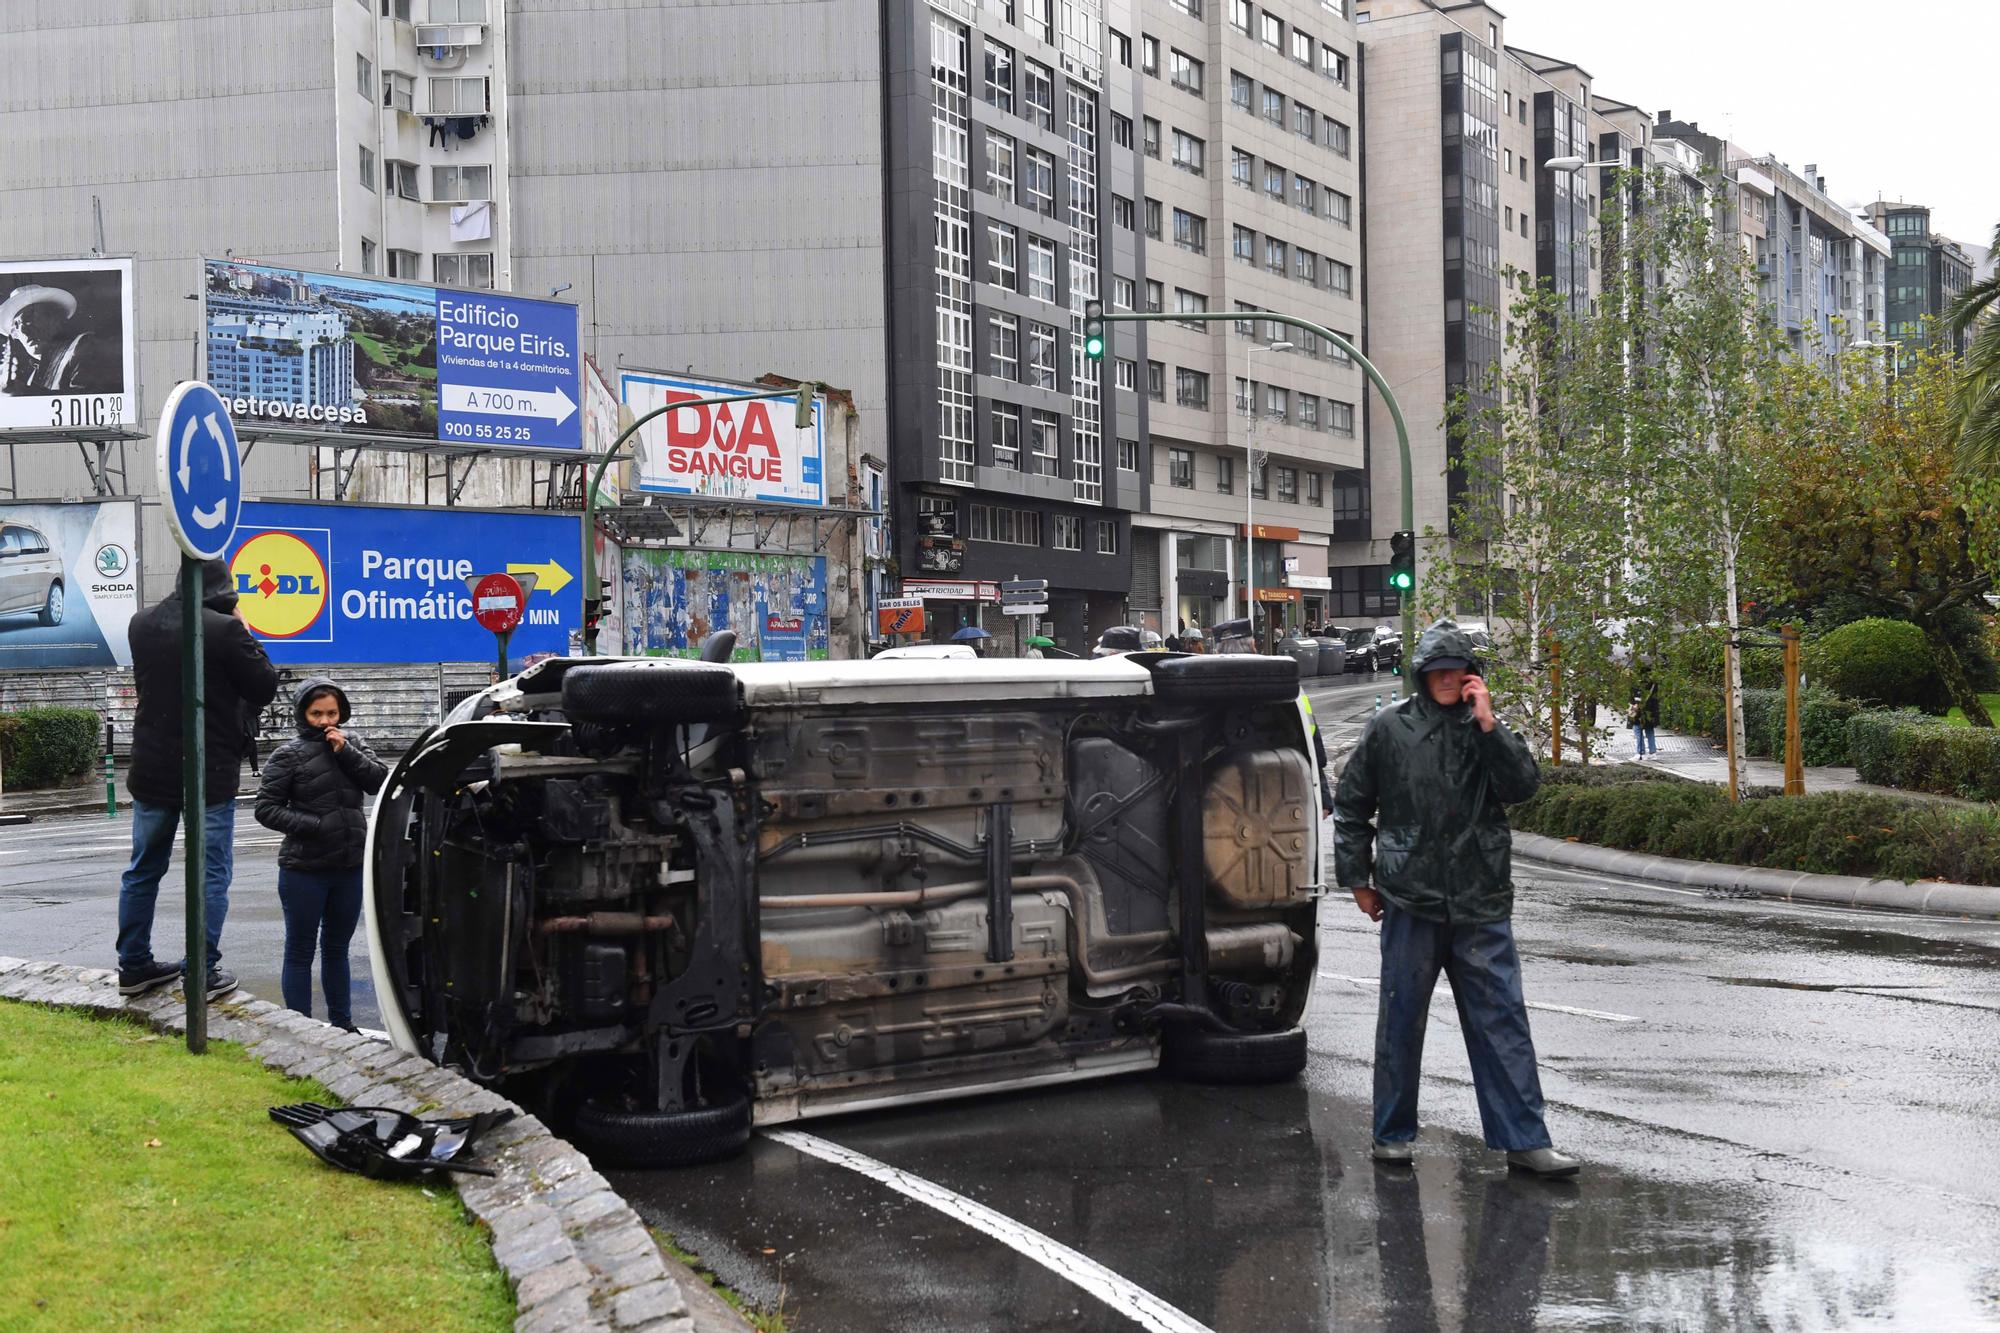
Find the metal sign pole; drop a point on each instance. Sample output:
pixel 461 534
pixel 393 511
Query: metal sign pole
pixel 194 805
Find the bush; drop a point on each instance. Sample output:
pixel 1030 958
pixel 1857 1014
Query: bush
pixel 1823 718
pixel 45 747
pixel 1847 833
pixel 1882 662
pixel 1919 753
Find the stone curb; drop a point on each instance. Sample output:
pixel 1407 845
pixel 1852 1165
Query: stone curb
pixel 577 1255
pixel 1931 897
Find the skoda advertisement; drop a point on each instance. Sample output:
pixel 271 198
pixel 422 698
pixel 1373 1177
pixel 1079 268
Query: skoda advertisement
pixel 368 583
pixel 69 584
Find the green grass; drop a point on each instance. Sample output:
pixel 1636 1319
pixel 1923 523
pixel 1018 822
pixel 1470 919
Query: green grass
pixel 399 360
pixel 764 1321
pixel 1992 701
pixel 143 1187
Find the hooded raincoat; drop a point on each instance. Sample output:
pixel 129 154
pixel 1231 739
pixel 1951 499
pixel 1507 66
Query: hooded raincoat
pixel 1421 812
pixel 313 793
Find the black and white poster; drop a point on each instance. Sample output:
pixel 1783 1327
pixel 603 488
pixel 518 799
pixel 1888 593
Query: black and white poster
pixel 66 335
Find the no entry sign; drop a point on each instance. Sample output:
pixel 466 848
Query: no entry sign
pixel 497 602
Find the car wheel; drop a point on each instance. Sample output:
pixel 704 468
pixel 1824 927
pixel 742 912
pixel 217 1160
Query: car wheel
pixel 52 605
pixel 612 1135
pixel 1206 1056
pixel 651 692
pixel 1227 678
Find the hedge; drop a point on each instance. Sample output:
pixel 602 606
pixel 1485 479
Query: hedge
pixel 1823 718
pixel 1845 833
pixel 1883 662
pixel 46 747
pixel 1919 753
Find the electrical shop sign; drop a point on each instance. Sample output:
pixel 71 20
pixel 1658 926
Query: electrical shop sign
pixel 751 451
pixel 366 583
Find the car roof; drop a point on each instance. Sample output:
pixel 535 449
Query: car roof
pixel 932 679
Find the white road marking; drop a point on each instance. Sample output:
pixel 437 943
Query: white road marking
pixel 1600 1014
pixel 1128 1299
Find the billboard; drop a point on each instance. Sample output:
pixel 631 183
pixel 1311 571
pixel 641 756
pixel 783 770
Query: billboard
pixel 69 584
pixel 368 583
pixel 675 599
pixel 290 347
pixel 732 451
pixel 66 335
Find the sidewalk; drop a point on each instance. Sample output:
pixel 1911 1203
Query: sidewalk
pixel 84 798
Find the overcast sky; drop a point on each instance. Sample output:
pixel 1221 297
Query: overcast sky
pixel 1894 100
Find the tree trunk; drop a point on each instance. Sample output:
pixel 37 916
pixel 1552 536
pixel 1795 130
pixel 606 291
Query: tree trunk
pixel 1955 683
pixel 1732 681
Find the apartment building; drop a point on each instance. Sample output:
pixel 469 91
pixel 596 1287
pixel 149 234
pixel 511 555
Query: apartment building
pixel 1927 271
pixel 1234 185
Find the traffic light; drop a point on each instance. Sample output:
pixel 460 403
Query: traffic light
pixel 1403 561
pixel 1093 330
pixel 802 414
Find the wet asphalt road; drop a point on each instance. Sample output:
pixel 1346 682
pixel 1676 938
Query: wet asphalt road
pixel 1790 1116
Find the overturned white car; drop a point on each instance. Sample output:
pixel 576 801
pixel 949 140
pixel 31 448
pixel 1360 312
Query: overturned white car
pixel 661 899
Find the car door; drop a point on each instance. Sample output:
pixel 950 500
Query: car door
pixel 14 574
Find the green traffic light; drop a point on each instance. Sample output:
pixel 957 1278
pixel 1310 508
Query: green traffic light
pixel 1401 582
pixel 1094 348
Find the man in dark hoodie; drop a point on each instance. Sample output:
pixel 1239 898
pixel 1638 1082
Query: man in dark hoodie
pixel 237 675
pixel 1421 840
pixel 312 793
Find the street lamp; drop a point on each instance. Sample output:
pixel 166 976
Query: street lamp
pixel 1578 164
pixel 1250 490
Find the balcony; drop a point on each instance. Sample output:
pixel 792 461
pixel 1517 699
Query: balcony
pixel 447 38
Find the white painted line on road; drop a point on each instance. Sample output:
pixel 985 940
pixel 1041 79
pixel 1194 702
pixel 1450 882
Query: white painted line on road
pixel 1128 1299
pixel 1603 1015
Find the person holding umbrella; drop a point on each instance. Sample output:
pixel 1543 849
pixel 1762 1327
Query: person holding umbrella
pixel 975 636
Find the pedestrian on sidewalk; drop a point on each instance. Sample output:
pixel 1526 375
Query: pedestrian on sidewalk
pixel 312 793
pixel 1421 841
pixel 1644 715
pixel 238 679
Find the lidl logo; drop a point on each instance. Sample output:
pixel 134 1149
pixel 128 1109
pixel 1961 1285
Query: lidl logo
pixel 281 584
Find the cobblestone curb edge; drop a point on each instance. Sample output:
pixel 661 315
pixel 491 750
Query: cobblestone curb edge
pixel 577 1255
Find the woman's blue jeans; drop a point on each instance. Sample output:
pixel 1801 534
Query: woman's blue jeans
pixel 321 909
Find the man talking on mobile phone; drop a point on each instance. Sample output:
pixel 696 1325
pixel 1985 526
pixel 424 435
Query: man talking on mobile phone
pixel 1421 841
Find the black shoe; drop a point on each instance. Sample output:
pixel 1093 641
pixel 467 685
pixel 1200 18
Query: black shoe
pixel 147 976
pixel 349 1028
pixel 220 983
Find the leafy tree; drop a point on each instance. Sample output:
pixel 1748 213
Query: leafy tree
pixel 1977 406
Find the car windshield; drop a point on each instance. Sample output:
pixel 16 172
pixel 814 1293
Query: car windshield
pixel 1360 638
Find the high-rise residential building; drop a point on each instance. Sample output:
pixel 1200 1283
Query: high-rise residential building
pixel 1927 272
pixel 1234 186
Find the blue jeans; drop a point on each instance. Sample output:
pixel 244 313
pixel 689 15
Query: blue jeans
pixel 321 907
pixel 1645 739
pixel 1485 977
pixel 152 847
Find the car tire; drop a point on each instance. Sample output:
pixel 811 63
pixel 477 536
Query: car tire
pixel 1227 678
pixel 651 692
pixel 615 1136
pixel 52 606
pixel 1202 1055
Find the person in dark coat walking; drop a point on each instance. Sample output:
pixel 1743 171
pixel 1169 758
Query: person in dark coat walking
pixel 1421 840
pixel 238 679
pixel 312 790
pixel 1644 716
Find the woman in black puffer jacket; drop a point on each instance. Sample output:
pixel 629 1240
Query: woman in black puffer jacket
pixel 313 785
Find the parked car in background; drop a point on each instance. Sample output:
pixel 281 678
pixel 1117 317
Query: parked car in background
pixel 663 899
pixel 1388 647
pixel 31 575
pixel 921 651
pixel 1360 648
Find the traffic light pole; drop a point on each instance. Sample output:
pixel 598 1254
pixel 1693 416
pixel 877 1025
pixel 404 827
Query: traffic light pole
pixel 1094 313
pixel 592 602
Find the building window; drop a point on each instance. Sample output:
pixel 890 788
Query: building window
pixel 1302 48
pixel 1121 213
pixel 1305 121
pixel 1260 476
pixel 1243 245
pixel 1340 208
pixel 1005 346
pixel 1044 431
pixel 1274 106
pixel 1152 136
pixel 1340 279
pixel 1009 527
pixel 1149 56
pixel 1041 269
pixel 1305 194
pixel 399 91
pixel 1038 171
pixel 458 11
pixel 1123 293
pixel 400 178
pixel 367 169
pixel 1309 411
pixel 1000 165
pixel 1068 532
pixel 1274 181
pixel 1003 256
pixel 1190 232
pixel 364 76
pixel 1153 221
pixel 1191 388
pixel 1039 91
pixel 1180 468
pixel 461 184
pixel 1121 49
pixel 1184 70
pixel 1007 437
pixel 1128 375
pixel 1128 455
pixel 1156 296
pixel 1107 536
pixel 406 264
pixel 457 97
pixel 1156 381
pixel 1277 403
pixel 1305 265
pixel 367 255
pixel 1187 302
pixel 1334 65
pixel 1271 31
pixel 1189 153
pixel 463 270
pixel 1041 356
pixel 1316 489
pixel 1240 16
pixel 1241 90
pixel 1225 474
pixel 1121 130
pixel 999 76
pixel 1288 485
pixel 1038 17
pixel 1340 417
pixel 1337 135
pixel 1274 255
pixel 1241 167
